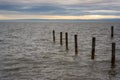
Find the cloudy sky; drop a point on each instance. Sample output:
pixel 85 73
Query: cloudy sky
pixel 59 9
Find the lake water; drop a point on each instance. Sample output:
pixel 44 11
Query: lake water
pixel 27 51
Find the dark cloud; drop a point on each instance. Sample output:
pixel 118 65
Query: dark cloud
pixel 61 8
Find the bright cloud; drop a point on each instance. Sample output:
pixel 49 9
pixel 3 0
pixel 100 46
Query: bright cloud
pixel 6 17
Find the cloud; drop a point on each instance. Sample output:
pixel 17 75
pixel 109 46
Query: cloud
pixel 60 7
pixel 9 17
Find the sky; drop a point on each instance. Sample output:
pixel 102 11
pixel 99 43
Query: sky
pixel 59 9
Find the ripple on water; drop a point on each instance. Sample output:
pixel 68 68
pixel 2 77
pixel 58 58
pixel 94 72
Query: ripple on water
pixel 27 51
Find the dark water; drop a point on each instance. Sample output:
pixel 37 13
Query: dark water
pixel 27 51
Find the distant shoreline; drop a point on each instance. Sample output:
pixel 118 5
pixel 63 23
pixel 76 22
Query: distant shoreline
pixel 60 20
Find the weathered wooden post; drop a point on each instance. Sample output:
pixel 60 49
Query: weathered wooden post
pixel 54 36
pixel 93 48
pixel 66 38
pixel 113 56
pixel 76 45
pixel 112 31
pixel 61 43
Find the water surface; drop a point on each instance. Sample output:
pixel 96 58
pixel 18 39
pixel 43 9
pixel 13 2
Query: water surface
pixel 27 51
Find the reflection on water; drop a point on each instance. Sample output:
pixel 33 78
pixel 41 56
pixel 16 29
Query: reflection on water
pixel 27 51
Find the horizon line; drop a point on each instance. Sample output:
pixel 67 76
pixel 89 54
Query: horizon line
pixel 59 20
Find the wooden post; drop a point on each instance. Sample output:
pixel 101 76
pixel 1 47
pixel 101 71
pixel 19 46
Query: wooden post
pixel 93 48
pixel 66 37
pixel 61 38
pixel 113 56
pixel 76 45
pixel 112 31
pixel 53 36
